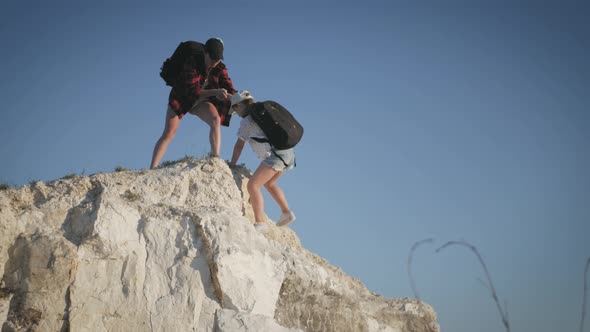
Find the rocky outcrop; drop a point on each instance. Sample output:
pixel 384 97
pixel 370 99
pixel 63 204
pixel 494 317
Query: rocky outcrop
pixel 171 249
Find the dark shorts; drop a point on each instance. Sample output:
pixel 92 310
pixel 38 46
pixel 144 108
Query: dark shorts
pixel 181 106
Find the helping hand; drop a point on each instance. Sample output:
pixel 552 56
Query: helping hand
pixel 222 94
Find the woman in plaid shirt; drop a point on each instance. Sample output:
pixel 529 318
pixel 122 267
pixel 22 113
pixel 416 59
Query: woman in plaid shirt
pixel 203 88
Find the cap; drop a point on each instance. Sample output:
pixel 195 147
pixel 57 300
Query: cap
pixel 214 46
pixel 239 97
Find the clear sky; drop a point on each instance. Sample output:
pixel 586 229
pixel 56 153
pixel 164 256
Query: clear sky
pixel 444 120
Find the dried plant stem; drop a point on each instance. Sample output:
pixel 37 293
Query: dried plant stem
pixel 491 288
pixel 584 295
pixel 410 258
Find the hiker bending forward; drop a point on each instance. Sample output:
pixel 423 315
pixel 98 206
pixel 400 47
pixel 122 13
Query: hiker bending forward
pixel 274 163
pixel 202 88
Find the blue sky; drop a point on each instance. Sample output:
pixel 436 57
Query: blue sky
pixel 422 120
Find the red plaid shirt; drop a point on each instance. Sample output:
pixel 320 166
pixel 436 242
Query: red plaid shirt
pixel 189 84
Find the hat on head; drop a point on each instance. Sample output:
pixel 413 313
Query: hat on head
pixel 214 46
pixel 239 97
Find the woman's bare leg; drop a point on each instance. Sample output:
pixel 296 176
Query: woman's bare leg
pixel 170 126
pixel 208 113
pixel 277 193
pixel 262 175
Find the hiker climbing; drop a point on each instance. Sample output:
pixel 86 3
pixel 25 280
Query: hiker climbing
pixel 200 86
pixel 272 133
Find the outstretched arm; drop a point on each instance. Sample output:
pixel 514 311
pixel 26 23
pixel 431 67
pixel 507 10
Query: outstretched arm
pixel 238 147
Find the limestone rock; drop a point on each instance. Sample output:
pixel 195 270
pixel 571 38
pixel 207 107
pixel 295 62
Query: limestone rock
pixel 172 249
pixel 39 271
pixel 234 321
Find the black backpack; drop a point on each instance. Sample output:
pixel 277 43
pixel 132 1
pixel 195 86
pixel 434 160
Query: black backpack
pixel 185 52
pixel 277 123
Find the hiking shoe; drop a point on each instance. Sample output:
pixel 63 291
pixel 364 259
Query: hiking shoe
pixel 286 219
pixel 261 227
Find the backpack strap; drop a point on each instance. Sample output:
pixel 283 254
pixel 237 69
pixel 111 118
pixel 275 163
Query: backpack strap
pixel 283 160
pixel 264 140
pixel 284 163
pixel 260 140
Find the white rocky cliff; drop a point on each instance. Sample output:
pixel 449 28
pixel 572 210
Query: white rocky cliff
pixel 171 249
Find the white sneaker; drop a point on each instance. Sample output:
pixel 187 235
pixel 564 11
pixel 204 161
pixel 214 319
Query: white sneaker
pixel 286 219
pixel 261 227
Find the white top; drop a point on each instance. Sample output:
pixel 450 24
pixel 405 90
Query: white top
pixel 248 129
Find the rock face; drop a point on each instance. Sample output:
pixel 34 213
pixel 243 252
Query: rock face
pixel 171 249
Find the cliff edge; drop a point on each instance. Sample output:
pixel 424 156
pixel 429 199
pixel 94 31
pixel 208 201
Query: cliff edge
pixel 172 249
